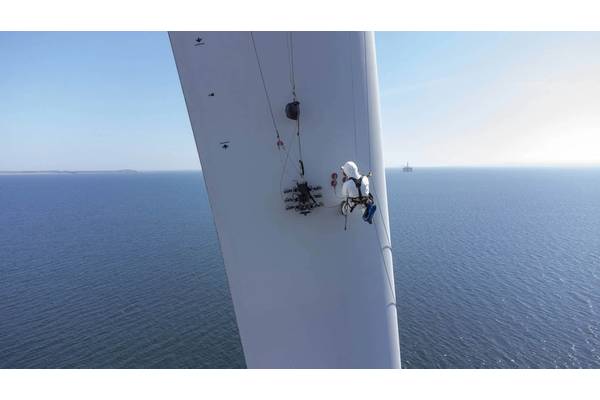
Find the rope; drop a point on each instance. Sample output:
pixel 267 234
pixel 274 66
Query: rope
pixel 381 249
pixel 282 159
pixel 290 44
pixel 353 100
pixel 367 92
pixel 283 171
pixel 262 77
pixel 300 158
pixel 385 228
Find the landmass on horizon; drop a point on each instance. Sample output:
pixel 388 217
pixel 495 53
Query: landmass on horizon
pixel 390 167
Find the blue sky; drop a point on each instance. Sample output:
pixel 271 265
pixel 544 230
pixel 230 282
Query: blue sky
pixel 92 101
pixel 490 98
pixel 112 100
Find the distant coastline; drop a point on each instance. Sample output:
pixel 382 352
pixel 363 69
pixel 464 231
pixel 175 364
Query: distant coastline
pixel 387 168
pixel 47 172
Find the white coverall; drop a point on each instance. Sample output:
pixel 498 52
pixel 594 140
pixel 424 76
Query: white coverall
pixel 349 188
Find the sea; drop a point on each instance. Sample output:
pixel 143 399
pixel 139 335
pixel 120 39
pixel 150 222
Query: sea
pixel 494 268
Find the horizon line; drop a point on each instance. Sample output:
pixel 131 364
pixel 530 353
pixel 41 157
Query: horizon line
pixel 131 170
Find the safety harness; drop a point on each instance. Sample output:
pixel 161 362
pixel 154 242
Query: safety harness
pixel 364 200
pixel 351 202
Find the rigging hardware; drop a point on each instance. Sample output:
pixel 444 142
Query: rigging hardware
pixel 303 198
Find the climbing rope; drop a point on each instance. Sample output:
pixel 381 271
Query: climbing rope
pixel 284 168
pixel 300 158
pixel 367 93
pixel 280 143
pixel 382 246
pixel 353 98
pixel 381 249
pixel 292 74
pixel 290 45
pixel 262 78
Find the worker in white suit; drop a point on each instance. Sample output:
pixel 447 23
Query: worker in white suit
pixel 356 191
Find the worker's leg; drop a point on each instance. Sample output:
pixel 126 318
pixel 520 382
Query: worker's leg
pixel 371 213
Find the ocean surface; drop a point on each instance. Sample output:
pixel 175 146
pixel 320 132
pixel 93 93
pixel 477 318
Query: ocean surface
pixel 494 268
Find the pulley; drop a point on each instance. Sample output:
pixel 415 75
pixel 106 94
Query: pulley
pixel 292 110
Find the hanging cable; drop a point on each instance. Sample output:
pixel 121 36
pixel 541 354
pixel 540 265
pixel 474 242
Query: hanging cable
pixel 382 245
pixel 385 264
pixel 291 62
pixel 351 62
pixel 367 95
pixel 299 147
pixel 262 78
pixel 280 143
pixel 295 97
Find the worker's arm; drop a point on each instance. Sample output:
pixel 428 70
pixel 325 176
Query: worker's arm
pixel 344 191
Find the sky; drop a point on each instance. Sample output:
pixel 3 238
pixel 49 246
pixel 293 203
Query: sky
pixel 91 101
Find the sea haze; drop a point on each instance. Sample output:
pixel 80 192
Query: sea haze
pixel 493 268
